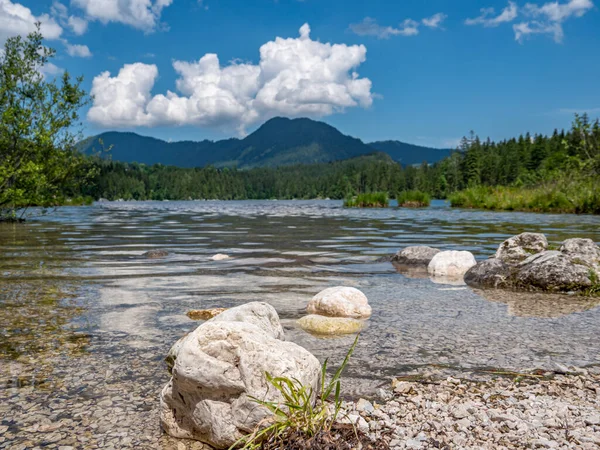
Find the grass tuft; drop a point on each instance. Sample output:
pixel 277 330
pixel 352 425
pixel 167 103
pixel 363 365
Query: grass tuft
pixel 577 196
pixel 298 414
pixel 370 200
pixel 413 199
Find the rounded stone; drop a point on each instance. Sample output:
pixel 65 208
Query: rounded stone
pixel 316 324
pixel 451 263
pixel 340 301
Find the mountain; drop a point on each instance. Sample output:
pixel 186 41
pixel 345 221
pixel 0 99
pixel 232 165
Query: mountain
pixel 410 154
pixel 277 142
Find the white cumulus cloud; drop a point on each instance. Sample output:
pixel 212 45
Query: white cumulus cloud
pixel 434 21
pixel 370 27
pixel 81 51
pixel 294 77
pixel 16 19
pixel 141 14
pixel 488 17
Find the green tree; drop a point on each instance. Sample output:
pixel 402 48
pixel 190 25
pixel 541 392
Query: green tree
pixel 39 164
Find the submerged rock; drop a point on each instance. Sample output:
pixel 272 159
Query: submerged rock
pixel 523 263
pixel 340 301
pixel 317 324
pixel 220 365
pixel 155 254
pixel 418 255
pixel 204 314
pixel 521 246
pixel 451 263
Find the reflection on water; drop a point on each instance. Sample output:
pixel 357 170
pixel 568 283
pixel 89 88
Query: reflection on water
pixel 80 306
pixel 535 304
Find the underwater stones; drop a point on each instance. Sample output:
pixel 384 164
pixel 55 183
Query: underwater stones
pixel 218 367
pixel 340 301
pixel 155 254
pixel 204 314
pixel 521 246
pixel 219 257
pixel 451 263
pixel 418 255
pixel 323 325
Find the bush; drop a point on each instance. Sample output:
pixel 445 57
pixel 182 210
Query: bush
pixel 413 199
pixel 578 195
pixel 370 200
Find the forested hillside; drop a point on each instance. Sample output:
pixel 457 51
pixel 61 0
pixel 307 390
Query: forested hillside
pixel 279 141
pixel 560 172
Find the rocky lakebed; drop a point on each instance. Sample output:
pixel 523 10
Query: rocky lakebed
pixel 488 352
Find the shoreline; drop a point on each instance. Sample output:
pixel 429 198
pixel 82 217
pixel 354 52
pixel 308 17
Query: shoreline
pixel 560 411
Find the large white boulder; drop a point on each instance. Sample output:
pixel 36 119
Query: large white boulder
pixel 340 301
pixel 220 365
pixel 451 263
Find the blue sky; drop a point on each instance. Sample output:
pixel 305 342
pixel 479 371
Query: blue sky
pixel 421 72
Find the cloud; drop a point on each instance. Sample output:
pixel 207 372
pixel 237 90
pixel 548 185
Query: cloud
pixel 294 77
pixel 77 25
pixel 548 18
pixel 81 51
pixel 370 27
pixel 434 21
pixel 74 23
pixel 488 16
pixel 50 69
pixel 141 14
pixel 18 20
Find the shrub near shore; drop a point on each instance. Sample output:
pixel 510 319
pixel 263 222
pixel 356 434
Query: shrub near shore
pixel 413 199
pixel 370 200
pixel 578 196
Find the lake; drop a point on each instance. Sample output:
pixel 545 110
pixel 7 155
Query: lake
pixel 86 320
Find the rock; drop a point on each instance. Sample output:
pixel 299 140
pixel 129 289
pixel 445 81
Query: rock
pixel 340 301
pixel 317 324
pixel 363 405
pixel 220 365
pixel 451 263
pixel 552 271
pixel 582 251
pixel 260 314
pixel 592 420
pixel 523 263
pixel 172 355
pixel 155 254
pixel 520 247
pixel 204 314
pixel 490 273
pixel 219 257
pixel 418 255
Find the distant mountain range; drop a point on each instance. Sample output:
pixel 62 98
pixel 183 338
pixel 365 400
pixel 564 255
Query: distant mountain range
pixel 277 142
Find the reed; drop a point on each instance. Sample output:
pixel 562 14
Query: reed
pixel 413 199
pixel 369 200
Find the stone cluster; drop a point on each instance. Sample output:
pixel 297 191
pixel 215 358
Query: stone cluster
pixel 524 262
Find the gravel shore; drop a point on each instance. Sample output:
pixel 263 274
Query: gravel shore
pixel 558 412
